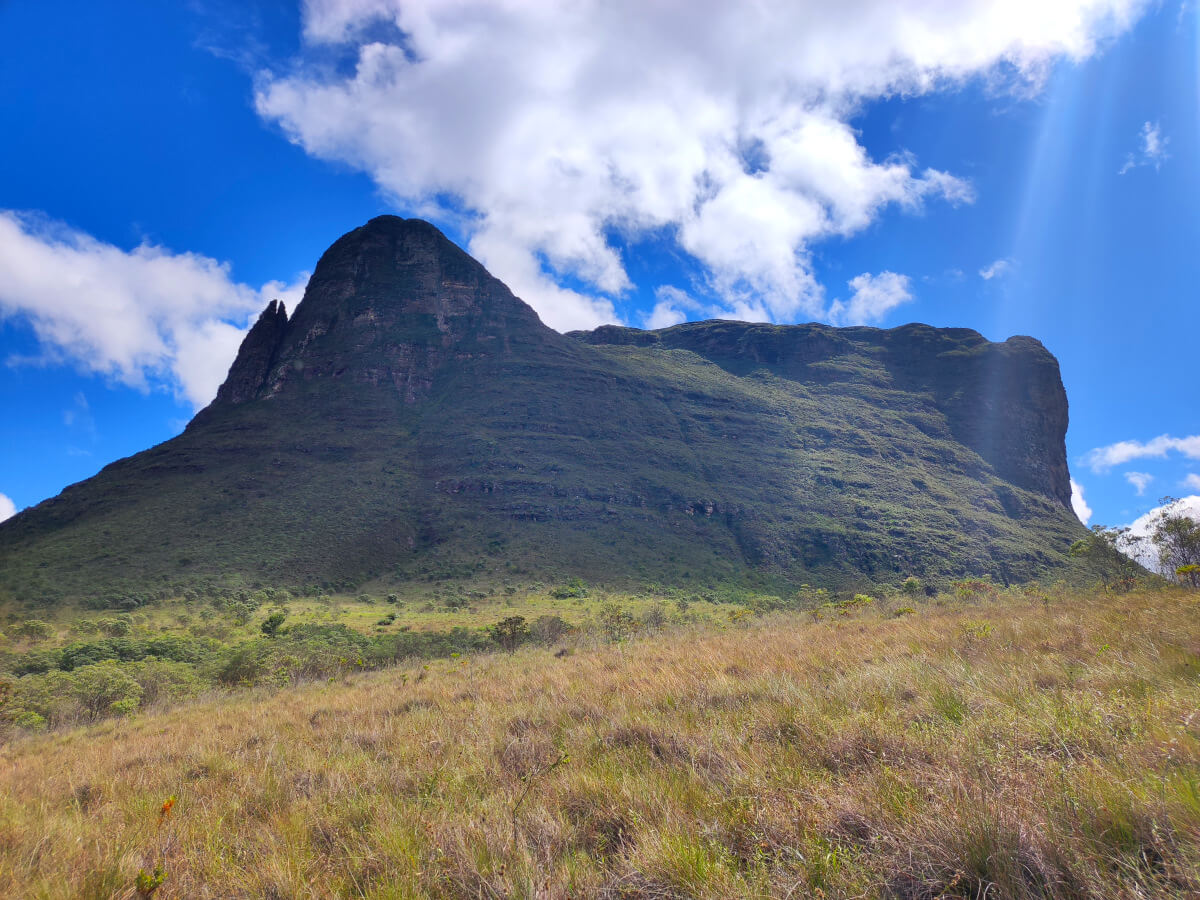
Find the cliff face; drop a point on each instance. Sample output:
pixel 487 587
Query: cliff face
pixel 1005 401
pixel 413 419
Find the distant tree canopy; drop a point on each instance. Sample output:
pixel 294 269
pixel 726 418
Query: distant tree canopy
pixel 1176 537
pixel 1109 550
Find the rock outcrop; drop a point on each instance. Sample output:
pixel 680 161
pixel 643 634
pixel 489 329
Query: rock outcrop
pixel 259 348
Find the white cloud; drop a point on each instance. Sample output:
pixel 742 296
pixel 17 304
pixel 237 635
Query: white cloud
pixel 544 128
pixel 141 316
pixel 1139 480
pixel 1102 459
pixel 8 509
pixel 1137 543
pixel 1082 511
pixel 671 307
pixel 1152 152
pixel 1191 481
pixel 874 297
pixel 995 269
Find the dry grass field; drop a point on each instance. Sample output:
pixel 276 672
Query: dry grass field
pixel 1024 747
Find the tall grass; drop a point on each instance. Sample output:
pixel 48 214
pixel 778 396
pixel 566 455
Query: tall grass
pixel 1006 749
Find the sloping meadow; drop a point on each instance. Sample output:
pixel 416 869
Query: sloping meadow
pixel 1020 748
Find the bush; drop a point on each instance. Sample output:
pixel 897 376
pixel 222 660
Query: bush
pixel 33 630
pixel 549 629
pixel 573 588
pixel 270 626
pixel 510 633
pixel 101 687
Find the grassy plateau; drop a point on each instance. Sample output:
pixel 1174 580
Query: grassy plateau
pixel 997 743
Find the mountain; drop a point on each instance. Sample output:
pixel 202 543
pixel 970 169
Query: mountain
pixel 412 419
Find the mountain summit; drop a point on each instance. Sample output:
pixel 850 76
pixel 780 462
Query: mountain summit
pixel 389 303
pixel 412 419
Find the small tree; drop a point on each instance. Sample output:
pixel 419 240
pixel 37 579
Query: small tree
pixel 1176 537
pixel 510 633
pixel 272 623
pixel 911 585
pixel 1111 551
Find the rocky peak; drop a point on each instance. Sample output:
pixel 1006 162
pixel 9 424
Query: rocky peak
pixel 254 359
pixel 389 304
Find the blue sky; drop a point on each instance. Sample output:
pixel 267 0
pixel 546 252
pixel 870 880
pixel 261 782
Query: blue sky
pixel 1014 167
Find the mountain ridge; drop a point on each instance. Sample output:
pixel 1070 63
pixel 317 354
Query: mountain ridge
pixel 412 419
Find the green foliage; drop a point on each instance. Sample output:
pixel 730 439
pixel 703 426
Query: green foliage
pixel 617 623
pixel 510 633
pixel 1107 549
pixel 33 630
pixel 272 623
pixel 974 589
pixel 147 883
pixel 1189 574
pixel 1176 537
pixel 911 586
pixel 573 588
pixel 105 689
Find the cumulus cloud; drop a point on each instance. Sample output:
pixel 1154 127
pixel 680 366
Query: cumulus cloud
pixel 1139 480
pixel 1082 511
pixel 555 132
pixel 1191 481
pixel 1102 459
pixel 873 298
pixel 995 269
pixel 141 317
pixel 671 307
pixel 1151 152
pixel 8 509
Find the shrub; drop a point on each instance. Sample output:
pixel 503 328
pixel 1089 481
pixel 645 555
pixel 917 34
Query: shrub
pixel 616 622
pixel 272 623
pixel 510 633
pixel 33 630
pixel 911 586
pixel 99 688
pixel 573 588
pixel 549 629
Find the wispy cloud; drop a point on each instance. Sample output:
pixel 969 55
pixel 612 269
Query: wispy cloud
pixel 143 316
pixel 1152 150
pixel 1140 481
pixel 1082 511
pixel 530 125
pixel 1191 481
pixel 995 269
pixel 1104 458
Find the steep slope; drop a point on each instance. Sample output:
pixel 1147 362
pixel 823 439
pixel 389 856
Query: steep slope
pixel 413 419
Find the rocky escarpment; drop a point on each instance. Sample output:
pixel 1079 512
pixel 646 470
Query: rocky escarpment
pixel 412 419
pixel 1003 400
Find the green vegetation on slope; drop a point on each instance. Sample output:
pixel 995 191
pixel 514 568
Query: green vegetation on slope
pixel 414 421
pixel 992 745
